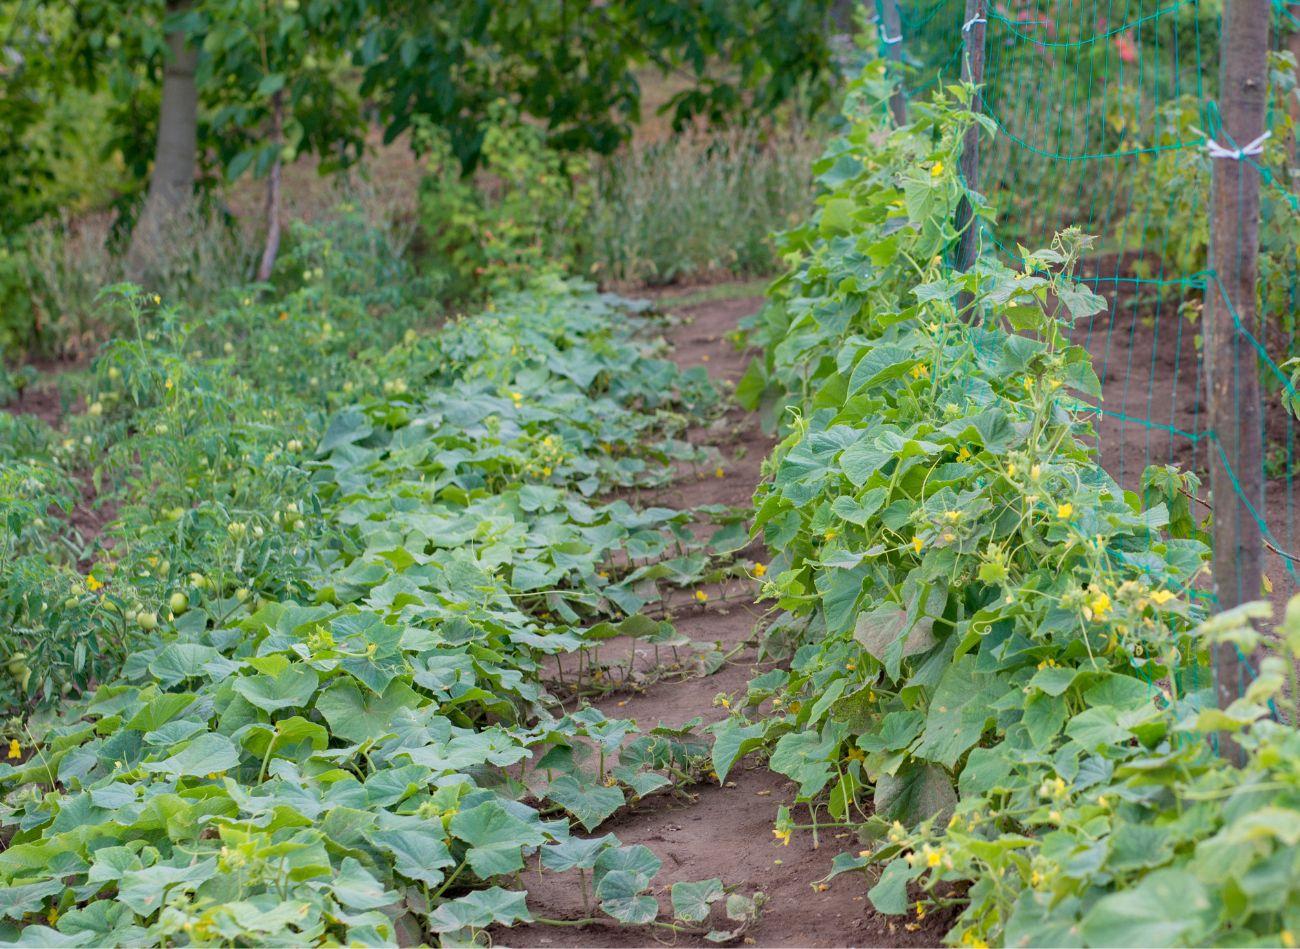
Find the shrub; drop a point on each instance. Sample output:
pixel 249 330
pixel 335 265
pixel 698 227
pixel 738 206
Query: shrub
pixel 697 205
pixel 519 217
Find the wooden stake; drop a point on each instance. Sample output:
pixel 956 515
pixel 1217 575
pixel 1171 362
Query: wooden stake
pixel 1231 359
pixel 972 71
pixel 891 28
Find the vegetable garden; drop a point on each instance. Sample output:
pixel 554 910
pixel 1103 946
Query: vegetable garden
pixel 425 592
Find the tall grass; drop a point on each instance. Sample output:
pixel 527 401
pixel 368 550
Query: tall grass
pixel 698 205
pixel 52 275
pixel 68 261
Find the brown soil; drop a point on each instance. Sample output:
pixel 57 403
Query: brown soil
pixel 90 516
pixel 43 400
pixel 710 830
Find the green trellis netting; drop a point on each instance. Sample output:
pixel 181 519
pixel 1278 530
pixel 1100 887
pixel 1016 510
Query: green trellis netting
pixel 1108 117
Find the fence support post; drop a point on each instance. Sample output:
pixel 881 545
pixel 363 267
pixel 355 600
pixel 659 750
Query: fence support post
pixel 891 34
pixel 972 71
pixel 1231 359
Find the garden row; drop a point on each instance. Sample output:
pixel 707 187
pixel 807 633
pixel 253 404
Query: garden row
pixel 1003 685
pixel 352 564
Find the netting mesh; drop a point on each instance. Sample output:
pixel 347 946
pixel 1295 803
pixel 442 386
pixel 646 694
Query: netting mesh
pixel 1104 110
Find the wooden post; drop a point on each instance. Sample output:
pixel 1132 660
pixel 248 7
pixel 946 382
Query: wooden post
pixel 1231 359
pixel 972 71
pixel 891 34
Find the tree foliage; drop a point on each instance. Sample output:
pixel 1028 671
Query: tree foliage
pixel 337 65
pixel 574 65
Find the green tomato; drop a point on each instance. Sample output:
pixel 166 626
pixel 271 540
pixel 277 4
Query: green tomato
pixel 147 621
pixel 179 603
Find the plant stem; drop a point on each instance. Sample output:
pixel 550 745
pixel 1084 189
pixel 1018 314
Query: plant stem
pixel 451 879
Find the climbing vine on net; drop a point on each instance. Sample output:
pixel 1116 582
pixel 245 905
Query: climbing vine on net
pixel 991 519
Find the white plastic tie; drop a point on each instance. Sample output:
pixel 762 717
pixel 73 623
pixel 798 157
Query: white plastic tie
pixel 1249 150
pixel 890 40
pixel 966 27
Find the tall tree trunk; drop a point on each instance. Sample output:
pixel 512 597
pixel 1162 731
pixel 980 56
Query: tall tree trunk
pixel 171 186
pixel 272 247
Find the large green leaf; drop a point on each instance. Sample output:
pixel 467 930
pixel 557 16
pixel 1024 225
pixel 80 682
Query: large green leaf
pixel 959 711
pixel 356 887
pixel 495 837
pixel 805 757
pixel 419 853
pixel 160 710
pixel 576 852
pixel 590 803
pixel 17 901
pixel 291 688
pixel 1044 716
pixel 619 892
pixel 918 792
pixel 206 754
pixel 479 910
pixel 146 890
pixel 889 895
pixel 1097 728
pixel 1165 908
pixel 361 716
pixel 732 740
pixel 692 901
pixel 638 860
pixel 180 661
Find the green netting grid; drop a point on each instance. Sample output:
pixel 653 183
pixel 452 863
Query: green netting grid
pixel 1198 280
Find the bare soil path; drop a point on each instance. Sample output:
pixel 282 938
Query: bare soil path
pixel 725 831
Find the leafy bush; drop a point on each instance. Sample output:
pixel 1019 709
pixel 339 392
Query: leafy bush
pixel 520 217
pixel 696 205
pixel 174 412
pixel 1001 645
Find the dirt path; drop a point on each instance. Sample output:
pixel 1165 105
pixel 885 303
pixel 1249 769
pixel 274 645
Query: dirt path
pixel 725 832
